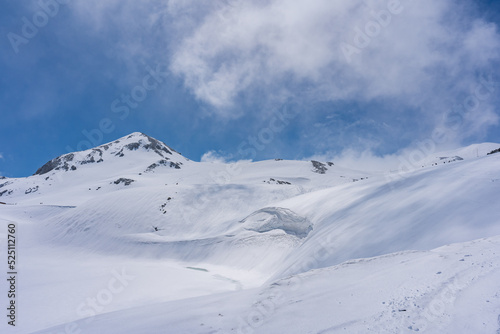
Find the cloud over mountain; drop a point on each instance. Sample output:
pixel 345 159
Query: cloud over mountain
pixel 418 57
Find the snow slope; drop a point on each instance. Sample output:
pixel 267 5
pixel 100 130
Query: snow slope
pixel 452 289
pixel 130 232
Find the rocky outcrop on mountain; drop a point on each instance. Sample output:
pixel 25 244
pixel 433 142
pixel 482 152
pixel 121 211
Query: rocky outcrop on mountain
pixel 171 164
pixel 319 167
pixel 494 151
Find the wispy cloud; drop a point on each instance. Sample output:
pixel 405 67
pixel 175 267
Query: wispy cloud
pixel 213 156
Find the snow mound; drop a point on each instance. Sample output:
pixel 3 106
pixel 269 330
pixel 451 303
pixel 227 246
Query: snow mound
pixel 273 218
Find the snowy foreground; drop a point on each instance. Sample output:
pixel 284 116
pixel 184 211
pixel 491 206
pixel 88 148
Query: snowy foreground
pixel 131 237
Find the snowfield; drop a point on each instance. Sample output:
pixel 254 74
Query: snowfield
pixel 131 237
pixel 452 289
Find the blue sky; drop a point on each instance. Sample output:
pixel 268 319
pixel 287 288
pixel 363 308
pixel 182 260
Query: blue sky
pixel 360 82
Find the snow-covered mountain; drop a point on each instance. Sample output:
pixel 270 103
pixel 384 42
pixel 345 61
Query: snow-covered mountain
pixel 140 147
pixel 132 237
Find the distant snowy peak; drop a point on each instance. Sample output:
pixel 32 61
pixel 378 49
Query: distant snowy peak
pixel 124 147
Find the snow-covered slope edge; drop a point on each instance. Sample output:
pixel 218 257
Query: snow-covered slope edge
pixel 451 289
pixel 420 210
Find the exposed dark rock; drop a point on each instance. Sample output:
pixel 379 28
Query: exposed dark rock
pixel 125 181
pixel 61 163
pixel 495 151
pixel 152 144
pixel 56 164
pixel 274 181
pixel 31 190
pixel 132 146
pixel 156 164
pixel 451 159
pixel 319 167
pixel 330 163
pixel 48 167
pixel 91 157
pixel 7 191
pixel 163 206
pixel 157 146
pixel 5 184
pixel 176 165
pixel 89 160
pixel 65 167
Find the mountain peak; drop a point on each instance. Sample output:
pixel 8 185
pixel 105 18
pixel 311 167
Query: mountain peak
pixel 128 145
pixel 138 140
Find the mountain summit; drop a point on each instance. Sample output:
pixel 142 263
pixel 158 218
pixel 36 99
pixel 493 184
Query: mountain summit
pixel 132 145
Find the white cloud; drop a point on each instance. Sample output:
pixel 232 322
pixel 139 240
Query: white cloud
pixel 220 157
pixel 426 55
pixel 213 156
pixel 418 63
